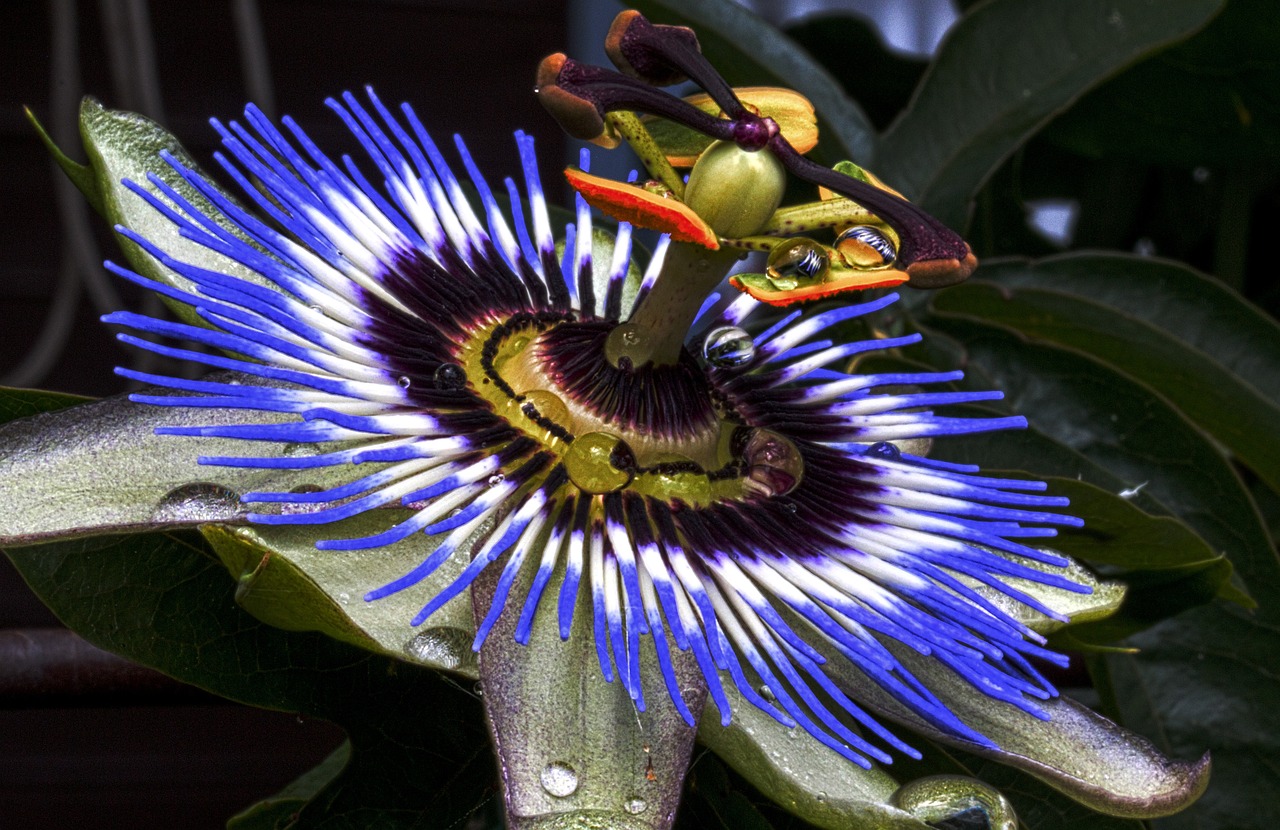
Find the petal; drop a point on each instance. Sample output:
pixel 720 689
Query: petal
pixel 1075 750
pixel 573 748
pixel 628 203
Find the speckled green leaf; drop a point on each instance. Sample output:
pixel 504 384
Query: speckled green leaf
pixel 749 52
pixel 285 581
pixel 1076 750
pixel 1003 72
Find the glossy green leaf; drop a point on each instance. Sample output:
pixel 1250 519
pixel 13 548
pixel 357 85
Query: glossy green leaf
pixel 1196 309
pixel 22 403
pixel 1203 390
pixel 1002 73
pixel 277 811
pixel 749 52
pixel 1207 102
pixel 165 602
pixel 1121 426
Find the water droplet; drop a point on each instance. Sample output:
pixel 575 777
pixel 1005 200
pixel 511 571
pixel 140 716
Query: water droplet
pixel 885 451
pixel 788 506
pixel 821 797
pixel 559 779
pixel 198 502
pixel 344 598
pixel 478 689
pixel 728 347
pixel 442 647
pixel 593 460
pixel 549 406
pixel 767 693
pixel 293 449
pixel 866 247
pixel 630 337
pixel 797 262
pixel 635 806
pixel 774 465
pixel 403 382
pixel 450 376
pixel 496 479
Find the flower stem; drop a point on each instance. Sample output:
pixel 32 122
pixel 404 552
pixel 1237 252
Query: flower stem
pixel 657 328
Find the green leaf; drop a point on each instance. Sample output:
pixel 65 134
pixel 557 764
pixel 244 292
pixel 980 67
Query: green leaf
pixel 419 753
pixel 21 403
pixel 1208 678
pixel 1123 427
pixel 1002 74
pixel 1207 102
pixel 278 810
pixel 749 52
pixel 1206 392
pixel 1116 532
pixel 1195 308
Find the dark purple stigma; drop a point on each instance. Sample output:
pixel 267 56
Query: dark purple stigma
pixel 752 133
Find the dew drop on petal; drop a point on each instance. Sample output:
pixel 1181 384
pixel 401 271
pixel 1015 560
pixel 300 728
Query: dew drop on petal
pixel 442 647
pixel 449 376
pixel 885 451
pixel 496 479
pixel 798 261
pixel 728 347
pixel 635 806
pixel 403 381
pixel 559 779
pixel 549 405
pixel 598 462
pixel 866 247
pixel 198 502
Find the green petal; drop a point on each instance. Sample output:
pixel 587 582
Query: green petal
pixel 100 468
pixel 1076 750
pixel 574 751
pixel 124 145
pixel 801 775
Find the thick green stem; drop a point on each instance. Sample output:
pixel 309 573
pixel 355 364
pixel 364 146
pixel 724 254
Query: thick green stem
pixel 651 156
pixel 657 328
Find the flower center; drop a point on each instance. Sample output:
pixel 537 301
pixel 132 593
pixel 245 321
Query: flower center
pixel 661 430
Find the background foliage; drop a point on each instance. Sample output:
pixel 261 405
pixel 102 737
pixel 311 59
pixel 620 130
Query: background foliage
pixel 1143 351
